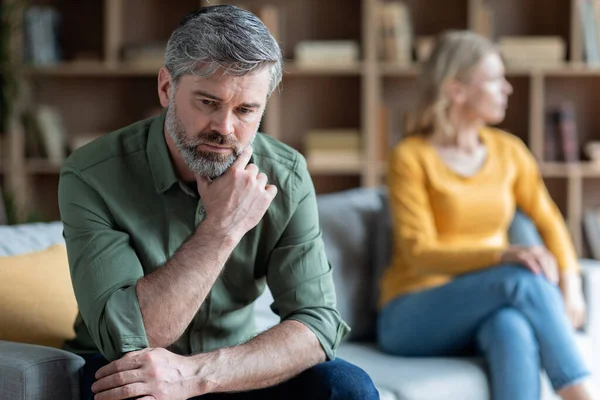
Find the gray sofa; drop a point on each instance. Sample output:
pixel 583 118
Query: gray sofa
pixel 356 231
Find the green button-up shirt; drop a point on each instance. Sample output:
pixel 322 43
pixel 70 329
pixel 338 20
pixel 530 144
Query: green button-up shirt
pixel 125 213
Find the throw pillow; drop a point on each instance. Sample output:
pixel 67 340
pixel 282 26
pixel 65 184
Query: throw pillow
pixel 37 304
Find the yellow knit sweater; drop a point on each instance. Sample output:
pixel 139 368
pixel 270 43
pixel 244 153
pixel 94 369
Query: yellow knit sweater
pixel 446 224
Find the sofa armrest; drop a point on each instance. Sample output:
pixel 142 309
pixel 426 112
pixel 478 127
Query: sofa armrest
pixel 31 372
pixel 591 285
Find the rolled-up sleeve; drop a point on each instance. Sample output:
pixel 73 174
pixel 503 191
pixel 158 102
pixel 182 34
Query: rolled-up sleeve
pixel 104 268
pixel 299 275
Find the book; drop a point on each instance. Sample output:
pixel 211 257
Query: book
pixel 350 160
pixel 146 55
pixel 41 36
pixel 332 139
pixel 484 19
pixel 395 32
pixel 52 132
pixel 589 32
pixel 564 123
pixel 424 47
pixel 591 227
pixel 530 51
pixel 326 52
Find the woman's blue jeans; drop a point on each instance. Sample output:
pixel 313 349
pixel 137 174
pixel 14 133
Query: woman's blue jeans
pixel 507 314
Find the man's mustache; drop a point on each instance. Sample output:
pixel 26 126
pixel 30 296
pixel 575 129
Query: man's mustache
pixel 215 138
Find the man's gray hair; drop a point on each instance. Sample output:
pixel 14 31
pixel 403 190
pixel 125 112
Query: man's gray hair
pixel 223 38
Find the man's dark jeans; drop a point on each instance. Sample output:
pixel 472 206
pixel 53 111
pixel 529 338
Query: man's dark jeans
pixel 332 380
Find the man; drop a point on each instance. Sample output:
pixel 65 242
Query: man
pixel 175 224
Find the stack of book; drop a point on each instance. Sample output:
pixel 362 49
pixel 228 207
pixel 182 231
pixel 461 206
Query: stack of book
pixel 41 40
pixel 533 51
pixel 589 17
pixel 396 37
pixel 324 53
pixel 562 139
pixel 338 149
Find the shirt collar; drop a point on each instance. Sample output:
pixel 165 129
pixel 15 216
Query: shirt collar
pixel 159 158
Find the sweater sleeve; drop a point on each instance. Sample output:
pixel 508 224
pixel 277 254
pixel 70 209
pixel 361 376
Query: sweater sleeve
pixel 415 235
pixel 533 198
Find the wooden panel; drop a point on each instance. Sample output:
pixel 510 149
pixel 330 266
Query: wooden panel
pixel 318 102
pixel 590 198
pixel 399 96
pixel 81 27
pixel 430 17
pixel 153 20
pixel 312 20
pixel 334 183
pixel 557 187
pixel 584 92
pixel 517 114
pixel 91 105
pixel 532 17
pixel 44 198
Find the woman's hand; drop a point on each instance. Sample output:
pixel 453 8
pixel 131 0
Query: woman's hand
pixel 535 258
pixel 570 285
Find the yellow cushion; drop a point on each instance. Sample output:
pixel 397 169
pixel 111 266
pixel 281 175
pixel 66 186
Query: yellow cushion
pixel 37 304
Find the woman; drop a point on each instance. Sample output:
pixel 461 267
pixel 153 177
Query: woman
pixel 455 285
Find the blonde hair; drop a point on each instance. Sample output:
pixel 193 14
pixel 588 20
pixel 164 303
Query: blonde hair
pixel 454 56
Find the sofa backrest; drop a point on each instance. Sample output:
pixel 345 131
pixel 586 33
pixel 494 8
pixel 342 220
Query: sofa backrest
pixel 356 231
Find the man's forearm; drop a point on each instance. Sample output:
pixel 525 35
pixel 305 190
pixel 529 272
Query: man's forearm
pixel 170 296
pixel 273 357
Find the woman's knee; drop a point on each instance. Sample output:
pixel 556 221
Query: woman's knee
pixel 508 328
pixel 525 287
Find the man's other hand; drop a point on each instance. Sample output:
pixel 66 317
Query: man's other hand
pixel 155 374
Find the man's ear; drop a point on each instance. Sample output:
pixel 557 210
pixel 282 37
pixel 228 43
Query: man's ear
pixel 165 85
pixel 455 91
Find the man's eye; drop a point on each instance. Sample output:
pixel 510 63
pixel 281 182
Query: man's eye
pixel 245 110
pixel 208 102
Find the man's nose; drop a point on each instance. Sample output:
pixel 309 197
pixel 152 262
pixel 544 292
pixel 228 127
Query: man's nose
pixel 222 122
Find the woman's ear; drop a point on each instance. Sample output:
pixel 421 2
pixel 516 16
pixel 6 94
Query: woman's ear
pixel 455 91
pixel 164 86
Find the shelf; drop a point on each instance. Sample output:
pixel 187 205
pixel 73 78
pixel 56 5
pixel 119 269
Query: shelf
pixel 99 69
pixel 333 169
pixel 568 70
pixel 42 167
pixel 91 69
pixel 290 68
pixel 567 170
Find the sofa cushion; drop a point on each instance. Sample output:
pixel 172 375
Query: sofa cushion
pixel 21 239
pixel 30 372
pixel 347 220
pixel 37 304
pixel 420 378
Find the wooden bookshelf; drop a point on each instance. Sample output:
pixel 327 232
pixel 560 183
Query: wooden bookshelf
pixel 108 93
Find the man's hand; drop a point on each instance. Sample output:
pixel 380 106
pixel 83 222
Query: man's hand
pixel 535 258
pixel 238 199
pixel 154 373
pixel 570 285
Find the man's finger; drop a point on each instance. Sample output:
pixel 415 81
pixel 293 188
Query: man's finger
pixel 243 159
pixel 262 180
pixel 121 365
pixel 272 190
pixel 116 380
pixel 124 392
pixel 252 170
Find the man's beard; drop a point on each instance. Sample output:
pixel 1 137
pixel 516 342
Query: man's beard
pixel 203 163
